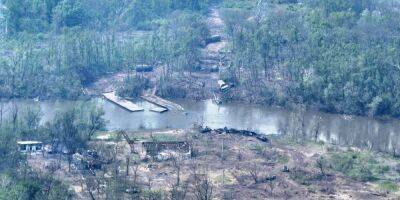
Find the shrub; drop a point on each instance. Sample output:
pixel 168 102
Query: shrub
pixel 301 176
pixel 258 148
pixel 168 87
pixel 358 166
pixel 388 186
pixel 133 86
pixel 152 194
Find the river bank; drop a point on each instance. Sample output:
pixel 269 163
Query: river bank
pixel 362 132
pixel 235 167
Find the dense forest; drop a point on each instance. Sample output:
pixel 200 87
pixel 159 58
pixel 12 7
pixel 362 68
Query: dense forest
pixel 340 56
pixel 74 53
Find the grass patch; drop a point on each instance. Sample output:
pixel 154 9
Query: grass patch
pixel 388 186
pixel 258 148
pixel 302 177
pixel 161 138
pixel 106 135
pixel 113 136
pixel 282 158
pixel 359 166
pixel 239 4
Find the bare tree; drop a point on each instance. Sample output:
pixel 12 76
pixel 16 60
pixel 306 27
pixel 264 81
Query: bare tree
pixel 1 112
pixel 177 163
pixel 222 154
pixel 135 173
pixel 179 192
pixel 203 189
pixel 240 155
pixel 297 123
pixel 317 127
pixel 236 173
pixel 90 185
pixel 96 121
pixel 127 165
pixel 321 163
pixel 271 184
pixel 254 172
pixel 14 115
pixel 134 186
pixel 149 181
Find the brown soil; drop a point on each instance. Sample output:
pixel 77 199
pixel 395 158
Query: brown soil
pixel 228 161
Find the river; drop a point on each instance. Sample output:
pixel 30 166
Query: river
pixel 357 131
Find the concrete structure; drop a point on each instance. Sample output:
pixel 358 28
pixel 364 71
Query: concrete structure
pixel 30 146
pixel 162 102
pixel 158 109
pixel 111 96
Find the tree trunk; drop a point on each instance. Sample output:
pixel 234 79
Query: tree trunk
pixel 127 166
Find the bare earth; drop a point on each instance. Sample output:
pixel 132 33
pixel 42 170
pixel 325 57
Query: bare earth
pixel 230 162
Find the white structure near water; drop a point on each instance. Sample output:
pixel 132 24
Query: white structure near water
pixel 30 146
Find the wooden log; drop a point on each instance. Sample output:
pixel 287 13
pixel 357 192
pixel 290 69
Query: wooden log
pixel 128 105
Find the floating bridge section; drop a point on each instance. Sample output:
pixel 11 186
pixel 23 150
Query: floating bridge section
pixel 162 102
pixel 128 105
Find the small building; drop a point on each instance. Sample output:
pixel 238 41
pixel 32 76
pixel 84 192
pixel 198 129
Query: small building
pixel 30 146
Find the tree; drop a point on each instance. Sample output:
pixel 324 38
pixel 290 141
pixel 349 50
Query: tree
pixel 203 189
pixel 254 172
pixel 321 163
pixel 69 13
pixel 68 130
pixel 96 121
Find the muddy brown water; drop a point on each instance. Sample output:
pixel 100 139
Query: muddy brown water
pixel 357 131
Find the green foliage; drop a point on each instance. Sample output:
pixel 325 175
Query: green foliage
pixel 167 88
pixel 18 181
pixel 152 194
pixel 68 130
pixel 321 163
pixel 258 148
pixel 243 4
pixel 357 165
pixel 163 138
pixel 9 156
pixel 32 186
pixel 62 68
pixel 45 15
pixel 301 176
pixel 388 186
pixel 337 54
pixel 178 40
pixel 68 13
pixel 133 86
